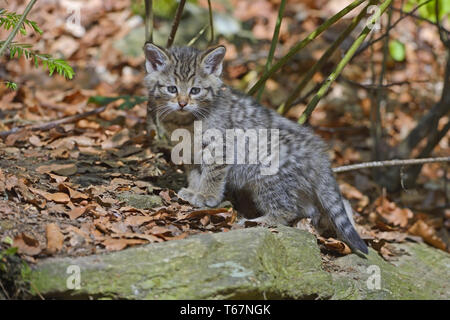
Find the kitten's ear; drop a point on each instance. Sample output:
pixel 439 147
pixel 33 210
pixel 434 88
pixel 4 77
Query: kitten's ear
pixel 212 60
pixel 156 58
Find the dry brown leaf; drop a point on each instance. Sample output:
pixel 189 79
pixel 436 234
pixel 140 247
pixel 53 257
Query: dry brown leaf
pixel 60 169
pixel 428 234
pixel 116 140
pixel 159 230
pixel 79 232
pixel 21 135
pixel 205 220
pixel 335 245
pixel 58 179
pixel 178 237
pixel 57 197
pixel 350 192
pixel 392 236
pixel 35 141
pixel 132 235
pixel 26 244
pixel 74 194
pixel 119 244
pixel 77 212
pixel 392 213
pixel 55 238
pixel 137 220
pixel 2 181
pixel 165 196
pixel 200 213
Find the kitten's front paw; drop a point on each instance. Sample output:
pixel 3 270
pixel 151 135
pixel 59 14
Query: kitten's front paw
pixel 198 199
pixel 186 194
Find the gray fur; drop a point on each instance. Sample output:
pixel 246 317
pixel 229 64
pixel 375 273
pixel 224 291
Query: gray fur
pixel 304 186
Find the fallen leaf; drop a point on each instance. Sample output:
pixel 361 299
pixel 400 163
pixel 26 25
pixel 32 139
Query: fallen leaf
pixel 132 235
pixel 57 197
pixel 428 234
pixel 119 244
pixel 159 230
pixel 335 245
pixel 58 179
pixel 61 169
pixel 200 213
pixel 35 141
pixel 55 238
pixel 77 212
pixel 137 220
pixel 74 194
pixel 116 140
pixel 26 244
pixel 392 213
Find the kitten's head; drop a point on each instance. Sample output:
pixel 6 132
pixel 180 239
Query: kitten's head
pixel 183 79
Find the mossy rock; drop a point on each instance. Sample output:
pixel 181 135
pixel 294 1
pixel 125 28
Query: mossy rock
pixel 140 201
pixel 255 263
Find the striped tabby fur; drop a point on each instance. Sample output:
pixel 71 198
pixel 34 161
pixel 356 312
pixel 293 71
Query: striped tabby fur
pixel 304 186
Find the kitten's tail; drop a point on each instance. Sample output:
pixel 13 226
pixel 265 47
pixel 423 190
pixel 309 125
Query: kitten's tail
pixel 340 216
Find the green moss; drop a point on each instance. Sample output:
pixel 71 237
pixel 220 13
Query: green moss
pixel 246 264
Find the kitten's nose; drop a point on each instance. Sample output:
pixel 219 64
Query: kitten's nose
pixel 182 103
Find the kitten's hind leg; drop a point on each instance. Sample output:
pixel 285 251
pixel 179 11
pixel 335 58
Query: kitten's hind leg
pixel 194 179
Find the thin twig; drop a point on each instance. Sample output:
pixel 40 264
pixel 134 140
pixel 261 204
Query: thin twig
pixel 346 59
pixel 55 123
pixel 17 27
pixel 273 45
pixel 300 45
pixel 407 14
pixel 415 16
pixel 4 291
pixel 284 108
pixel 175 23
pixel 211 23
pixel 439 26
pixel 378 97
pixel 389 163
pixel 197 36
pixel 149 21
pixel 382 86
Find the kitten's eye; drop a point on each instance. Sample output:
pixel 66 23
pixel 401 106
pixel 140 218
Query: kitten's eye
pixel 172 89
pixel 195 90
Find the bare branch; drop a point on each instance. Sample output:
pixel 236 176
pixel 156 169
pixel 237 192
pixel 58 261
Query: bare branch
pixel 389 163
pixel 175 23
pixel 149 21
pixel 407 14
pixel 211 23
pixel 53 124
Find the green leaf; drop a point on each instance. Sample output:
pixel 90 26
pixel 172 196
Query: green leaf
pixel 131 101
pixel 8 240
pixel 128 103
pixel 397 50
pixel 52 64
pixel 9 20
pixel 11 85
pixel 101 100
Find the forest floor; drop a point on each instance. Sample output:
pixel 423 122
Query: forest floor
pixel 95 185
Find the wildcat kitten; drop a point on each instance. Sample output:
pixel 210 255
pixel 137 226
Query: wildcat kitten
pixel 185 83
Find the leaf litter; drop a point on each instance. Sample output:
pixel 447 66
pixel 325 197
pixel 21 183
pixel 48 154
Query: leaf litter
pixel 60 189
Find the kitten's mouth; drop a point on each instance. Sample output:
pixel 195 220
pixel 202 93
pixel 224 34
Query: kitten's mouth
pixel 182 111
